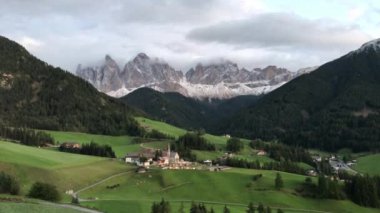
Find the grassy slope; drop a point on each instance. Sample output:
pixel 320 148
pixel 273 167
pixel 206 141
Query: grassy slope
pixel 368 164
pixel 219 141
pixel 9 207
pixel 140 190
pixel 120 144
pixel 65 170
pixel 40 158
pixel 175 131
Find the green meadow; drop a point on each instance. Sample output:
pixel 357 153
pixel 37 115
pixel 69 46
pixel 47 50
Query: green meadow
pixel 176 132
pixel 136 192
pixel 233 187
pixel 120 144
pixel 10 207
pixel 368 164
pixel 66 171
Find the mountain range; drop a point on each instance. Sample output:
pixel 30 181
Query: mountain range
pixel 215 80
pixel 336 106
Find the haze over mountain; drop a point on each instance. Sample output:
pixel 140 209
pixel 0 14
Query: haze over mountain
pixel 222 79
pixel 336 106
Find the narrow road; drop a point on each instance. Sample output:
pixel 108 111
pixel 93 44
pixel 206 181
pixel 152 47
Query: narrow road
pixel 101 181
pixel 68 206
pixel 219 203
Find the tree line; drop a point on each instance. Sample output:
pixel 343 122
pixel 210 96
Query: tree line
pixel 91 148
pixel 185 143
pixel 157 135
pixel 285 166
pixel 363 190
pixel 164 207
pixel 39 190
pixel 9 184
pixel 26 136
pixel 279 152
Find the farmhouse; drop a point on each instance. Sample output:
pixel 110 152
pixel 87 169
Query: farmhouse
pixel 132 158
pixel 261 153
pixel 140 159
pixel 71 145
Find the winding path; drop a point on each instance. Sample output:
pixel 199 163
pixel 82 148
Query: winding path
pixel 101 181
pixel 68 206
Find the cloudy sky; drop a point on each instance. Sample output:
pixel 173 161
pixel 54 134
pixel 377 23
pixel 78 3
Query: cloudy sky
pixel 253 33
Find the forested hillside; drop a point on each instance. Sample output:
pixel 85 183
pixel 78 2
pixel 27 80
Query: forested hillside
pixel 36 95
pixel 186 112
pixel 336 106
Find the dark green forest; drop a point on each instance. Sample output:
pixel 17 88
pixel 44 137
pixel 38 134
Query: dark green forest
pixel 336 106
pixel 185 112
pixel 36 95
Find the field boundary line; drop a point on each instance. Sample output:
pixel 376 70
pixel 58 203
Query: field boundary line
pixel 212 202
pixel 101 181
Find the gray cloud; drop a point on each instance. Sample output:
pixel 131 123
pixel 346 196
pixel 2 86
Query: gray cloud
pixel 182 32
pixel 281 30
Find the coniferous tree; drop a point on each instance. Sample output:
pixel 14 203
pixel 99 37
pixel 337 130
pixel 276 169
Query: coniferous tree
pixel 212 210
pixel 226 209
pixel 322 186
pixel 261 208
pixel 181 208
pixel 269 210
pixel 278 182
pixel 234 145
pixel 251 208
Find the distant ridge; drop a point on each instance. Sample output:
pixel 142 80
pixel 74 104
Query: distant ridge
pixel 336 106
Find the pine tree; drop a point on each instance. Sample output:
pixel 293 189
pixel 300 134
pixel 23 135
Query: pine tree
pixel 251 208
pixel 322 186
pixel 269 210
pixel 181 208
pixel 278 183
pixel 260 208
pixel 212 210
pixel 226 210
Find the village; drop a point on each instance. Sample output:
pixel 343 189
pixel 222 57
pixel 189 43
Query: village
pixel 165 159
pixel 168 159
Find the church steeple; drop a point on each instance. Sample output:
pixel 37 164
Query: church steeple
pixel 169 152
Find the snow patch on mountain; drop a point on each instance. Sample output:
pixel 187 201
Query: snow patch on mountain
pixel 371 45
pixel 214 80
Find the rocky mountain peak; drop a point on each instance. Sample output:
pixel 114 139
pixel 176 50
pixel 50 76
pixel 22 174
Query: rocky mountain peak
pixel 220 79
pixel 104 77
pixel 141 57
pixel 107 57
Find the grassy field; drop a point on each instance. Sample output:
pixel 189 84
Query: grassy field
pixel 138 191
pixel 368 164
pixel 64 170
pixel 9 207
pixel 176 132
pixel 120 144
pixel 233 187
pixel 219 141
